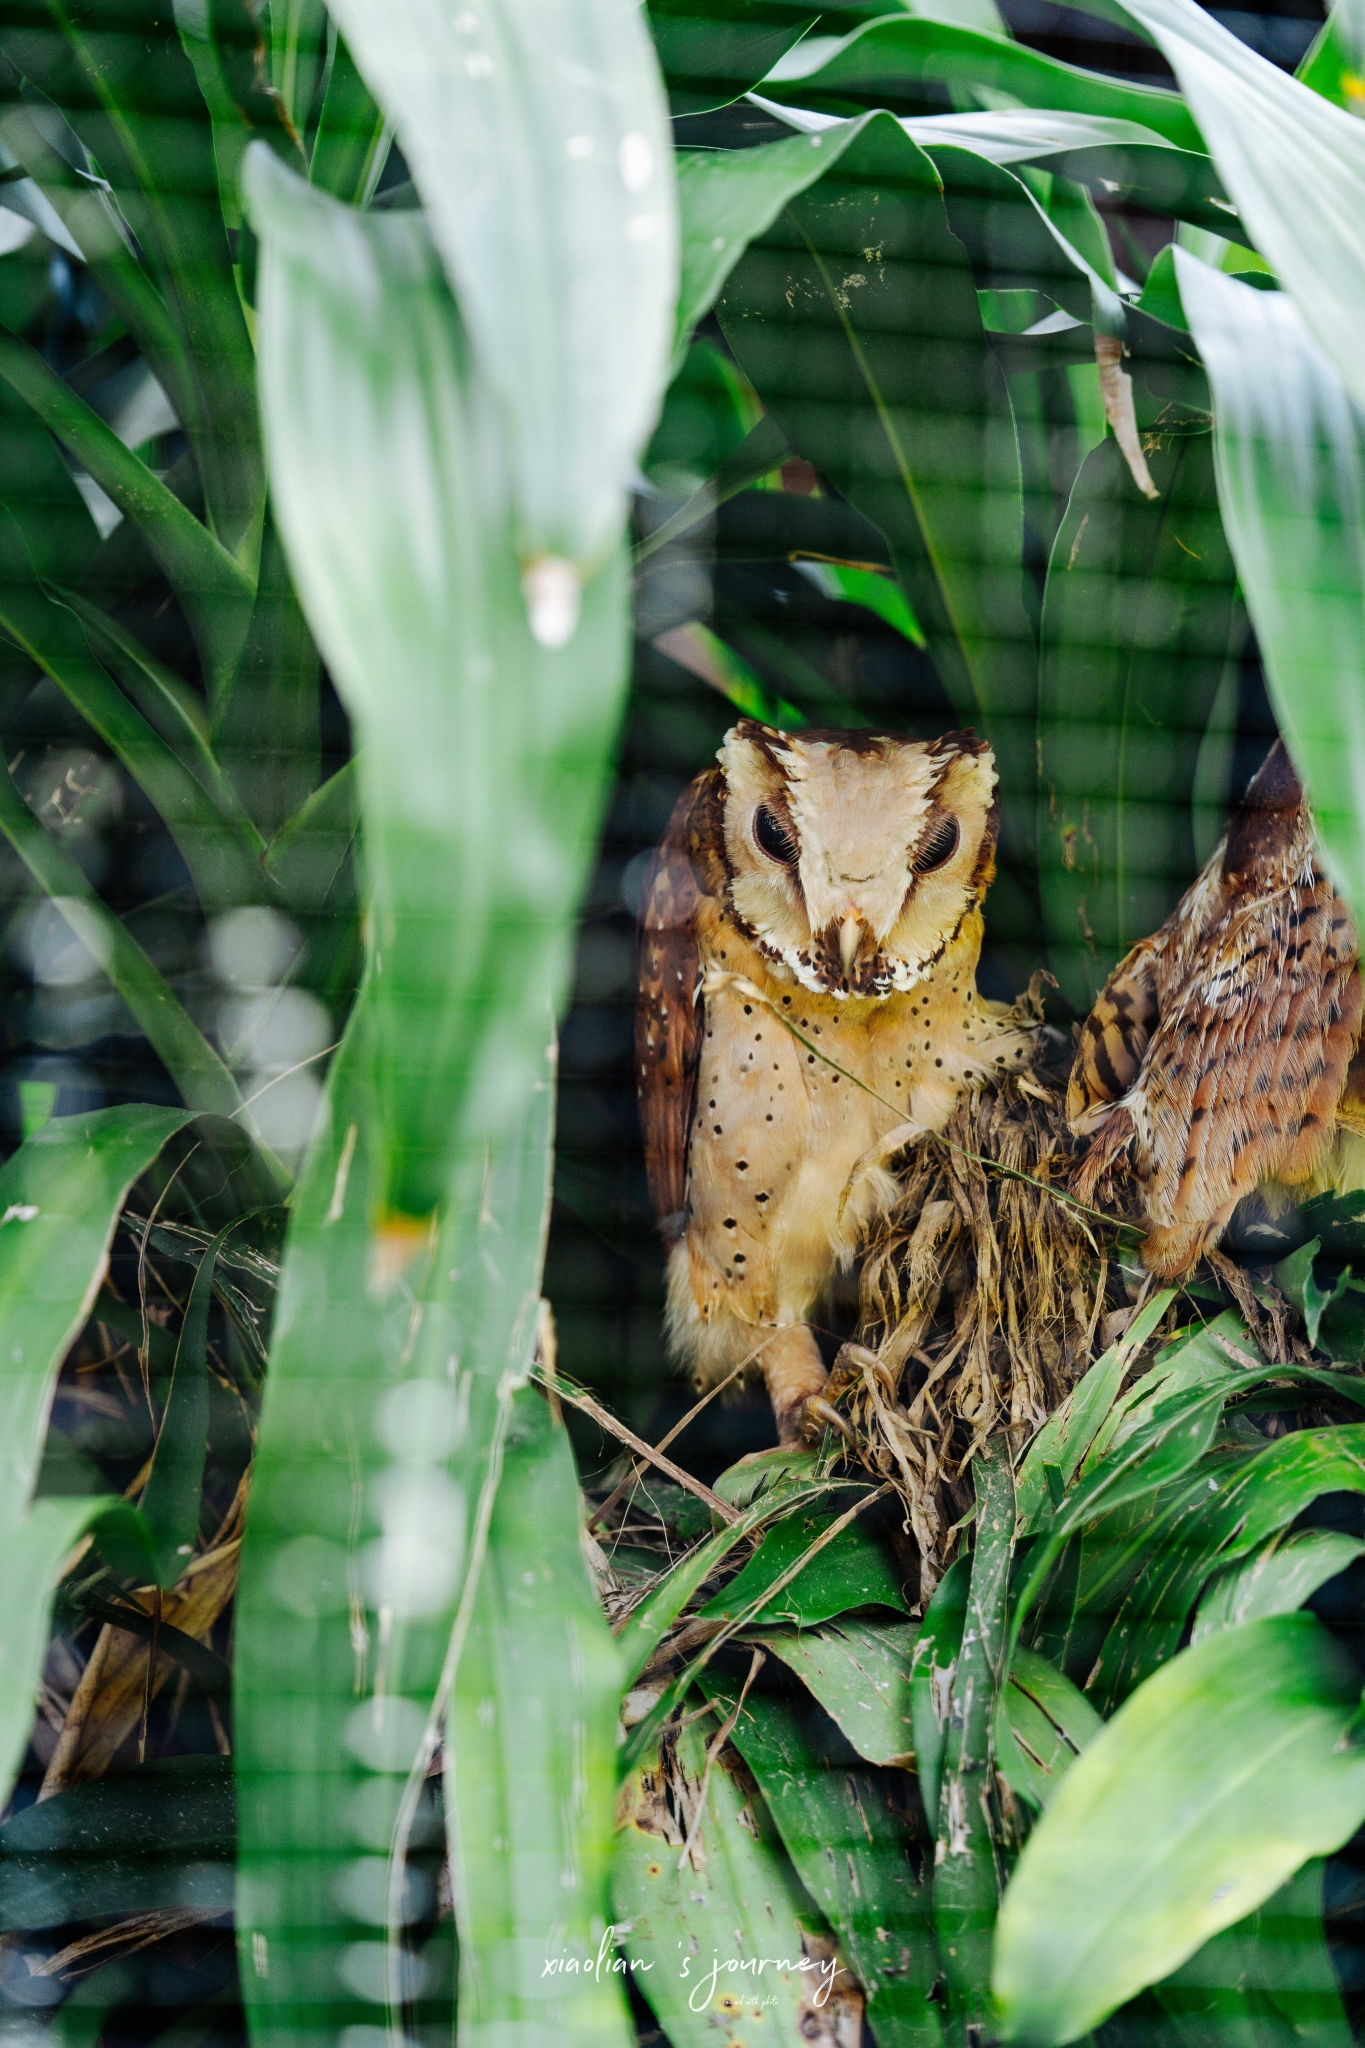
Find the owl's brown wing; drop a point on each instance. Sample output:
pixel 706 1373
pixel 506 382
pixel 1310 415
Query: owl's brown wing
pixel 1113 1039
pixel 668 1013
pixel 1245 1071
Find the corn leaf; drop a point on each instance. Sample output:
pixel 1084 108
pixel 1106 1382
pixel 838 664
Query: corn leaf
pixel 537 134
pixel 1268 1982
pixel 712 51
pixel 351 146
pixel 1223 1774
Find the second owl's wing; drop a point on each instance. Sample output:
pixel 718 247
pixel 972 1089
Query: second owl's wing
pixel 1243 1081
pixel 1114 1038
pixel 668 1013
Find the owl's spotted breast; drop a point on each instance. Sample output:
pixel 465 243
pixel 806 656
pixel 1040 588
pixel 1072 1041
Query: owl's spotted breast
pixel 768 1105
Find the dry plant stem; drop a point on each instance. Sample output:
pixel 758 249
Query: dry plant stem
pixel 713 1750
pixel 138 1931
pixel 606 1420
pixel 664 1441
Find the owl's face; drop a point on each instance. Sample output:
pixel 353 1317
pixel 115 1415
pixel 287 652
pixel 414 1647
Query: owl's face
pixel 855 857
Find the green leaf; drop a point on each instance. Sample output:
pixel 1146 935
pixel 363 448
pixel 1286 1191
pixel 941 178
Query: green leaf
pixel 1276 1580
pixel 481 780
pixel 1229 1518
pixel 131 95
pixel 1208 1789
pixel 860 1673
pixel 298 47
pixel 530 1766
pixel 193 1065
pixel 848 1835
pixel 221 862
pixel 1068 1433
pixel 351 147
pixel 931 1674
pixel 852 1571
pixel 1289 454
pixel 307 855
pixel 761 451
pixel 1042 1723
pixel 885 62
pixel 712 51
pixel 656 1614
pixel 539 142
pixel 966 1876
pixel 171 1501
pixel 134 1841
pixel 1267 1982
pixel 266 720
pixel 1293 164
pixel 879 371
pixel 37 487
pixel 1140 621
pixel 215 592
pixel 692 1927
pixel 60 1197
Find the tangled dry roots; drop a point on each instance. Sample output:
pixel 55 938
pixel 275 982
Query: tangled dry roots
pixel 982 1296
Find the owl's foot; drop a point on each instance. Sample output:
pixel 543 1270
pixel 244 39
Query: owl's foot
pixel 795 1376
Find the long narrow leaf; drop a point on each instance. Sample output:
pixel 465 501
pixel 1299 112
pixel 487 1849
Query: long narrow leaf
pixel 484 104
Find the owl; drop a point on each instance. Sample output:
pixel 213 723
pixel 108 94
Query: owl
pixel 807 1004
pixel 1218 1059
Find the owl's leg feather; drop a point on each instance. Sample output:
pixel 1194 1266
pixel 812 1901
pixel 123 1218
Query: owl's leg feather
pixel 794 1373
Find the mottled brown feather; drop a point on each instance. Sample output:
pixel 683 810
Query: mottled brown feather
pixel 1247 1009
pixel 688 865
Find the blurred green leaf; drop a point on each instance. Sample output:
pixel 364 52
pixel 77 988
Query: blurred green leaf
pixel 1267 1982
pixel 538 247
pixel 351 146
pixel 530 1766
pixel 171 1500
pixel 1140 620
pixel 850 1838
pixel 1288 444
pixel 1293 164
pixel 298 46
pixel 481 802
pixel 1222 1775
pixel 135 1841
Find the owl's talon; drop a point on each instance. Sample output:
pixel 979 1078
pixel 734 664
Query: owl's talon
pixel 818 1415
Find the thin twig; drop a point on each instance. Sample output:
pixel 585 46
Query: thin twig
pixel 606 1420
pixel 713 1750
pixel 664 1441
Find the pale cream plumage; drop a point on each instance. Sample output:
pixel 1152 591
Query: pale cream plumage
pixel 807 1001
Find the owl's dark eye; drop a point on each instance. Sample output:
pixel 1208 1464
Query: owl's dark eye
pixel 940 846
pixel 775 838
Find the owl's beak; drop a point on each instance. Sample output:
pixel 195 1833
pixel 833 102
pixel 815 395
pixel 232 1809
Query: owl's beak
pixel 852 932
